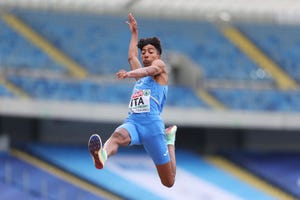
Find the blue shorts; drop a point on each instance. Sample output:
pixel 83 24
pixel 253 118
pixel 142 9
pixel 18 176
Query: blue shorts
pixel 151 134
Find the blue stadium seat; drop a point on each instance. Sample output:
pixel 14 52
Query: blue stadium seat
pixel 88 91
pixel 279 168
pixel 112 178
pixel 18 53
pixel 280 42
pixel 84 91
pixel 12 192
pixel 181 96
pixel 259 100
pixel 30 182
pixel 4 92
pixel 101 44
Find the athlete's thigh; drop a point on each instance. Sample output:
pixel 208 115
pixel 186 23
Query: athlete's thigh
pixel 131 130
pixel 156 146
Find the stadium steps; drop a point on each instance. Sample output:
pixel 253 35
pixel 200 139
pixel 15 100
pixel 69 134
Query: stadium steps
pixel 9 193
pixel 210 100
pixel 102 194
pixel 241 41
pixel 18 25
pixel 281 168
pixel 14 89
pixel 248 177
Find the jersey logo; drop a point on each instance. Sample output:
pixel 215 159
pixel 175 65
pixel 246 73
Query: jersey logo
pixel 140 101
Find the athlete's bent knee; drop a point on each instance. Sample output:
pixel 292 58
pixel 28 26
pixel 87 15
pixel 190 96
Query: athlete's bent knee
pixel 121 137
pixel 166 175
pixel 168 183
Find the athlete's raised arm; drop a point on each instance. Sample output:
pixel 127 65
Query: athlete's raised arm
pixel 133 50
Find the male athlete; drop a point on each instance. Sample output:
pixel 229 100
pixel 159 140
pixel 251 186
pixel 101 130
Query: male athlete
pixel 144 124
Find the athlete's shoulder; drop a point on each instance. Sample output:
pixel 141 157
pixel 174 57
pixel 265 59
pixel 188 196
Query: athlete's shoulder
pixel 159 63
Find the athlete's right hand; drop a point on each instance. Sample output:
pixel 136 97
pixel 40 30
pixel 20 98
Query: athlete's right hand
pixel 132 23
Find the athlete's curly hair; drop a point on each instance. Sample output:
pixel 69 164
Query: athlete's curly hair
pixel 151 40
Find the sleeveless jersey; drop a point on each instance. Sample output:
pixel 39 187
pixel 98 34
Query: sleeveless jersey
pixel 148 96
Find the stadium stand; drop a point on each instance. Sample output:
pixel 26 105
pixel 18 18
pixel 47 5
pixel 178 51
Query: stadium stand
pixel 92 92
pixel 51 89
pixel 4 92
pixel 100 45
pixel 19 54
pixel 259 100
pixel 84 91
pixel 280 168
pixel 8 192
pixel 119 173
pixel 21 180
pixel 104 37
pixel 204 43
pixel 280 42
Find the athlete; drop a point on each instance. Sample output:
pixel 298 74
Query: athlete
pixel 144 125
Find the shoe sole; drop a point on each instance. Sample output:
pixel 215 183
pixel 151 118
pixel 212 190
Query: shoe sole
pixel 95 146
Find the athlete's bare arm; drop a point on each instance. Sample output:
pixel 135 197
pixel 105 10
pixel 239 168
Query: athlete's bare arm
pixel 133 50
pixel 156 69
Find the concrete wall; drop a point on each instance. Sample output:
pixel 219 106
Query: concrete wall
pixel 22 130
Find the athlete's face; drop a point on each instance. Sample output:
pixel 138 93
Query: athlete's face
pixel 149 54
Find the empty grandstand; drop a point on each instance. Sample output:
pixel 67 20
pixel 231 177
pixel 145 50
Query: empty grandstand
pixel 234 93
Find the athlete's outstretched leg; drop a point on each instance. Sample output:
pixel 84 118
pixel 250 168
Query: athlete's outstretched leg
pixel 119 138
pixel 167 172
pixel 100 153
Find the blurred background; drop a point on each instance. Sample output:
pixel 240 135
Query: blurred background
pixel 233 93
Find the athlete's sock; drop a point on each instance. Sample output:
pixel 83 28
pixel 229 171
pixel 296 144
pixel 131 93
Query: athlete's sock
pixel 103 154
pixel 171 134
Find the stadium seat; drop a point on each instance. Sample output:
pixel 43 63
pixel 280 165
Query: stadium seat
pixel 101 43
pixel 17 53
pixel 280 42
pixel 259 100
pixel 30 182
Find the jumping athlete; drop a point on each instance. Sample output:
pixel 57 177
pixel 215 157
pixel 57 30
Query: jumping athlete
pixel 144 125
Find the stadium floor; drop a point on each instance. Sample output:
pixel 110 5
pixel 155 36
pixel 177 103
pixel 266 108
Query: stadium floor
pixel 131 175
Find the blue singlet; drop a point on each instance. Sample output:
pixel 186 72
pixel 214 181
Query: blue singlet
pixel 144 123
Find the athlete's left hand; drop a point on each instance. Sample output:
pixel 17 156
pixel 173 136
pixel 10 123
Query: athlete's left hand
pixel 122 74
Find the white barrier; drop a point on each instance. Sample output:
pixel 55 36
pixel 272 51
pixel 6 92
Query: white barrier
pixel 180 116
